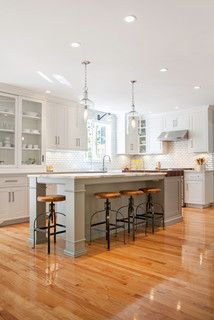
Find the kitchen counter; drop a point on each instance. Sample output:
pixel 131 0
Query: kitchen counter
pixel 79 189
pixel 167 172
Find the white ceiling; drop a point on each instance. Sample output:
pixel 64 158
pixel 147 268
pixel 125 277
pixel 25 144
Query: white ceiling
pixel 179 34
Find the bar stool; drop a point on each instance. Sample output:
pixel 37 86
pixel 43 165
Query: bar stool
pixel 51 217
pixel 131 218
pixel 109 226
pixel 153 211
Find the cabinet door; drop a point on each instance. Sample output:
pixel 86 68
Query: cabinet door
pixel 194 192
pixel 61 124
pixel 198 132
pixel 81 129
pixel 56 123
pixel 132 141
pixel 176 121
pixel 51 134
pixel 19 203
pixel 72 127
pixel 8 130
pixel 32 130
pixel 5 200
pixel 154 128
pixel 77 128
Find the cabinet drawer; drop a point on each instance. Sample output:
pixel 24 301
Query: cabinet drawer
pixel 194 177
pixel 13 181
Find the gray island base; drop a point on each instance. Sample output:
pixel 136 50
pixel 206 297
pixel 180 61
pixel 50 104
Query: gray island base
pixel 80 202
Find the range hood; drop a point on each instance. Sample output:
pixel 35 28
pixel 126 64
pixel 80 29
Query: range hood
pixel 173 135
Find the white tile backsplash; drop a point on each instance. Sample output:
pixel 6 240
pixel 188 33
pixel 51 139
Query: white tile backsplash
pixel 177 157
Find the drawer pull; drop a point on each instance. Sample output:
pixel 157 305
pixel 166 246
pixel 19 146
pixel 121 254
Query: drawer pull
pixel 9 195
pixel 11 181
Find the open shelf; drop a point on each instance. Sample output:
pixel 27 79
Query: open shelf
pixel 30 117
pixel 7 148
pixel 32 133
pixel 7 130
pixel 30 149
pixel 7 113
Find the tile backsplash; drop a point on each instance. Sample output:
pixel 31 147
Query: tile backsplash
pixel 177 157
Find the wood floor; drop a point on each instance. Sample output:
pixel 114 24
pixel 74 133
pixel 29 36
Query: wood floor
pixel 169 275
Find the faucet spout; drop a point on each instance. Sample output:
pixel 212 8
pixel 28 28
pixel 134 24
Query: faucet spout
pixel 109 159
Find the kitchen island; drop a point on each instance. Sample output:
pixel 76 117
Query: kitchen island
pixel 80 202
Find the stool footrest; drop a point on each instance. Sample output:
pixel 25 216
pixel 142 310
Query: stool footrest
pixel 58 232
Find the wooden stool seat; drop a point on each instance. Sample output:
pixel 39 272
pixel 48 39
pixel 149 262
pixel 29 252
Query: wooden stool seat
pixel 51 198
pixel 107 195
pixel 131 193
pixel 150 190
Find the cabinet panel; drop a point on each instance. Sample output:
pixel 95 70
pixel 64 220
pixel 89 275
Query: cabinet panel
pixel 32 123
pixel 176 121
pixel 194 192
pixel 198 132
pixel 154 128
pixel 5 200
pixel 8 130
pixel 19 207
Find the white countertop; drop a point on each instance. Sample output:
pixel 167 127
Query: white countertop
pixel 97 175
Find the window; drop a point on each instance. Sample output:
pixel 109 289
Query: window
pixel 99 140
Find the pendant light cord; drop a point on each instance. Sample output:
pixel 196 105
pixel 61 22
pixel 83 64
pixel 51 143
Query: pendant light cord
pixel 132 98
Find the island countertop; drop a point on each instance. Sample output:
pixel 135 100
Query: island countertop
pixel 90 175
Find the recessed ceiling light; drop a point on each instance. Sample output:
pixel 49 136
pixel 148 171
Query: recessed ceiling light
pixel 164 69
pixel 75 44
pixel 61 79
pixel 176 108
pixel 130 18
pixel 44 76
pixel 197 87
pixel 48 91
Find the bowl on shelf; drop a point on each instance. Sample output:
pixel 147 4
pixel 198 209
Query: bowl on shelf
pixel 35 131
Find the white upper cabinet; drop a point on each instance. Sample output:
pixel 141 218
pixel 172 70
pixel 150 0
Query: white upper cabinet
pixel 154 129
pixel 22 134
pixel 32 137
pixel 66 129
pixel 77 129
pixel 127 138
pixel 8 130
pixel 56 125
pixel 176 121
pixel 201 130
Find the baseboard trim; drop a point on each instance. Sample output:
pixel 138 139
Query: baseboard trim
pixel 14 221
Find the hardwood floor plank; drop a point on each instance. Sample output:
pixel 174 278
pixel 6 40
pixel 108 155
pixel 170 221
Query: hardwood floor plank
pixel 169 275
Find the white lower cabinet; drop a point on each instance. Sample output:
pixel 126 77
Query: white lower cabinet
pixel 199 188
pixel 14 200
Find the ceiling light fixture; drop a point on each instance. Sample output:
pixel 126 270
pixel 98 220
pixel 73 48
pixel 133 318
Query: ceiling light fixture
pixel 47 91
pixel 85 101
pixel 130 18
pixel 164 69
pixel 44 76
pixel 75 44
pixel 62 80
pixel 132 116
pixel 197 87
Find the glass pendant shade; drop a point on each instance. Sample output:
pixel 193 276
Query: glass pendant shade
pixel 132 116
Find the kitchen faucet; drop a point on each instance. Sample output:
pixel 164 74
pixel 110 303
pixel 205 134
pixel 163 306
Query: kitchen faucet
pixel 105 156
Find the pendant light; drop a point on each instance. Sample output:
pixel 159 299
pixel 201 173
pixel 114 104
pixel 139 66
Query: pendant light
pixel 132 116
pixel 85 101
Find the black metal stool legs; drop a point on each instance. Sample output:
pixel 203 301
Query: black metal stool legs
pixel 107 208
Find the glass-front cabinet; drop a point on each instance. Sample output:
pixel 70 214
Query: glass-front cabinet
pixel 8 130
pixel 21 132
pixel 142 136
pixel 31 132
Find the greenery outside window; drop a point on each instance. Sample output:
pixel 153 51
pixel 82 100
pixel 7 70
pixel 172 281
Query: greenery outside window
pixel 99 140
